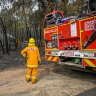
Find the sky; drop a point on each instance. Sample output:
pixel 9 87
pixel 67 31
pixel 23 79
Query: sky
pixel 8 5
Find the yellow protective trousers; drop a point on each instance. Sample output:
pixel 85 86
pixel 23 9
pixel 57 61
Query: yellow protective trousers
pixel 32 72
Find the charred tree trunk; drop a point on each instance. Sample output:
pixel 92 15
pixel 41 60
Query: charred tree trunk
pixel 2 46
pixel 5 35
pixel 25 19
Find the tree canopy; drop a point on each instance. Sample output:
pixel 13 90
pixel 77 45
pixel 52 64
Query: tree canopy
pixel 24 18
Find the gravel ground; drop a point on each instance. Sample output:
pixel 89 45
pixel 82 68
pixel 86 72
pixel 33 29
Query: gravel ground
pixel 53 80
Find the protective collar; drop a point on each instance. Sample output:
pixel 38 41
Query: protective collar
pixel 31 44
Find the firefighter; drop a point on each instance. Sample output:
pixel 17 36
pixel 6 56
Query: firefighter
pixel 32 53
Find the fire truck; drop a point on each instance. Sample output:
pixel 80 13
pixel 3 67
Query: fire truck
pixel 71 40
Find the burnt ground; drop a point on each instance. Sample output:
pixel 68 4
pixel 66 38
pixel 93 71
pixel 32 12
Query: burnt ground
pixel 12 60
pixel 53 79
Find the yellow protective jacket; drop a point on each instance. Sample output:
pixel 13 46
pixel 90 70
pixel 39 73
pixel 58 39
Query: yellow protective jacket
pixel 33 55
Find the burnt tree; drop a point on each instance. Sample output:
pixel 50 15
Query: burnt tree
pixel 5 36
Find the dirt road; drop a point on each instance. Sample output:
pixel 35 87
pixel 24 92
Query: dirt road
pixel 52 81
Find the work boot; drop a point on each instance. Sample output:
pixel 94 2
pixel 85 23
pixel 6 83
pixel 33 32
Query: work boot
pixel 28 80
pixel 34 81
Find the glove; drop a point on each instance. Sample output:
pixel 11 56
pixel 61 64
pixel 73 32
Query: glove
pixel 24 55
pixel 39 59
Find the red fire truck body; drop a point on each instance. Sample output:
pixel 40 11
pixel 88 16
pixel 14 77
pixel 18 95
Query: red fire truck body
pixel 73 40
